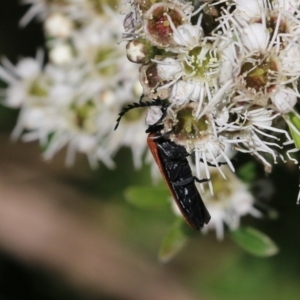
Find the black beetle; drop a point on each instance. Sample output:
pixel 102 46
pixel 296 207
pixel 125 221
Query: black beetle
pixel 171 159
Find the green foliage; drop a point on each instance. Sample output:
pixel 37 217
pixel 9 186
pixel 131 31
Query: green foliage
pixel 148 197
pixel 295 131
pixel 247 172
pixel 254 242
pixel 8 117
pixel 174 241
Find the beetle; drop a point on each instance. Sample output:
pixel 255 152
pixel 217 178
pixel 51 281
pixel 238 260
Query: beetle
pixel 172 162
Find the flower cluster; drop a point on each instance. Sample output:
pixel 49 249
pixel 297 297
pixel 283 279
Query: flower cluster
pixel 73 99
pixel 229 70
pixel 231 201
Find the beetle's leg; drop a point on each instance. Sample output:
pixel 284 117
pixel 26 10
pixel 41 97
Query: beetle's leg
pixel 166 134
pixel 155 128
pixel 189 180
pixel 201 180
pixel 213 165
pixel 142 96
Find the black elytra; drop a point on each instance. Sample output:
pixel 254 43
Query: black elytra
pixel 171 159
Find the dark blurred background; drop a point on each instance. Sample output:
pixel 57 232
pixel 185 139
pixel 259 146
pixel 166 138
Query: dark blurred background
pixel 68 233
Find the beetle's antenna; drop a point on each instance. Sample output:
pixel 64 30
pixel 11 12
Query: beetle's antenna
pixel 156 102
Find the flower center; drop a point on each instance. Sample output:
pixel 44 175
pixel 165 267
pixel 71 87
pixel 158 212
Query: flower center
pixel 158 25
pixel 84 116
pixel 271 25
pixel 221 188
pixel 201 63
pixel 259 74
pixel 37 89
pixel 187 127
pixel 152 79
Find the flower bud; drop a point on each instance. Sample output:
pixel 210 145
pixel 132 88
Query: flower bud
pixel 139 51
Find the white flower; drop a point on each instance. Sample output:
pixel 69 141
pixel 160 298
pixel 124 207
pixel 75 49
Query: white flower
pixel 169 69
pixel 185 91
pixel 285 100
pixel 132 135
pixel 188 36
pixel 61 54
pixel 23 80
pixel 154 114
pixel 291 6
pixel 249 131
pixel 58 25
pixel 74 101
pixel 249 9
pixel 230 202
pixel 193 76
pixel 291 59
pixel 255 37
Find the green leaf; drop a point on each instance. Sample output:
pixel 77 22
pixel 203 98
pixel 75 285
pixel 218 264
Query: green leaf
pixel 148 196
pixel 174 241
pixel 247 172
pixel 254 242
pixel 295 131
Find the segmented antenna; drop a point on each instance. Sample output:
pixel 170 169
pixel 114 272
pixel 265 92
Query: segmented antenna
pixel 156 102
